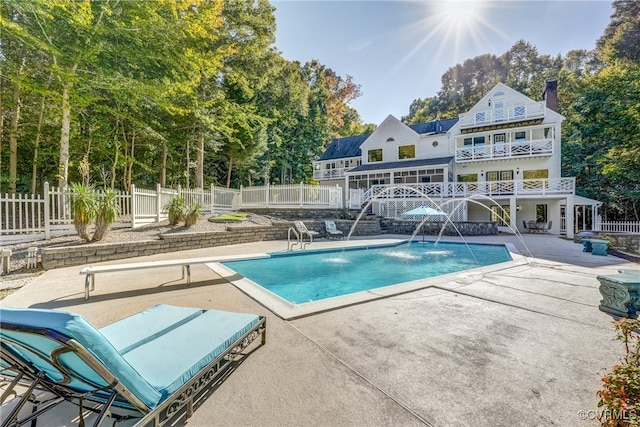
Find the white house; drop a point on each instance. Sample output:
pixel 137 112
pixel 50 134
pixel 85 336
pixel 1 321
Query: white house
pixel 499 161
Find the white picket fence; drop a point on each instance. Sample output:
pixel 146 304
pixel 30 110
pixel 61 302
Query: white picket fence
pixel 619 227
pixel 291 196
pixel 25 217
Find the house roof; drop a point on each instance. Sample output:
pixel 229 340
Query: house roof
pixel 406 164
pixel 341 148
pixel 436 126
pixel 349 146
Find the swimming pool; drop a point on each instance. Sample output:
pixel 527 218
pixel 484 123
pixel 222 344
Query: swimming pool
pixel 313 276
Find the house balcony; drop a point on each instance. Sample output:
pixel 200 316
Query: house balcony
pixel 502 114
pixel 519 187
pixel 323 174
pixel 518 149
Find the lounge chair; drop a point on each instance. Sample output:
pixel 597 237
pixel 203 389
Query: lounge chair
pixel 332 231
pixel 148 366
pixel 305 232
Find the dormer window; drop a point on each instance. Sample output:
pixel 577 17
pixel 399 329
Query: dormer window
pixel 390 139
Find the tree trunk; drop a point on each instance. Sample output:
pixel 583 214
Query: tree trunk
pixel 131 160
pixel 229 168
pixel 188 173
pixel 200 160
pixel 163 165
pixel 63 164
pixel 114 165
pixel 34 167
pixel 13 142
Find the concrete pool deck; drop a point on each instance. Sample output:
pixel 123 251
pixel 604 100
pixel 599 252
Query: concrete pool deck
pixel 522 346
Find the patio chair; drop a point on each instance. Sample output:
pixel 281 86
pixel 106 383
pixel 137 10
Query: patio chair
pixel 332 231
pixel 145 368
pixel 303 231
pixel 526 228
pixel 547 227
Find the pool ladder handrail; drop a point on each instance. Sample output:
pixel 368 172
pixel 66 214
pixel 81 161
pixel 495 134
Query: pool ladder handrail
pixel 290 244
pixel 299 239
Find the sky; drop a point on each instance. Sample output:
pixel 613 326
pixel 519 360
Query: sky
pixel 397 51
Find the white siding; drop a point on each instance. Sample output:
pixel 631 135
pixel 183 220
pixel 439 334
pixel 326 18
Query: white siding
pixel 390 128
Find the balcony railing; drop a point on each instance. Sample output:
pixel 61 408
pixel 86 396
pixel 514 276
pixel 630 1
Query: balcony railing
pixel 509 113
pixel 329 173
pixel 540 147
pixel 520 187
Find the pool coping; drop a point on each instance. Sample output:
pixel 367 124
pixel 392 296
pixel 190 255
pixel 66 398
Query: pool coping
pixel 289 311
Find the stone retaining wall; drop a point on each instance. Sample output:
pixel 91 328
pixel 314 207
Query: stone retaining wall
pixel 235 234
pixel 488 228
pixel 626 242
pixel 94 253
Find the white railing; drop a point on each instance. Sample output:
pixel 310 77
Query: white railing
pixel 618 227
pixel 529 187
pixel 534 148
pixel 291 196
pixel 329 173
pixel 509 113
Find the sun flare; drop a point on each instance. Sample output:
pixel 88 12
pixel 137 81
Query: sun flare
pixel 459 15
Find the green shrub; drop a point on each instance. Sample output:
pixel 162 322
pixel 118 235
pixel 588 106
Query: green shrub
pixel 620 396
pixel 176 209
pixel 193 215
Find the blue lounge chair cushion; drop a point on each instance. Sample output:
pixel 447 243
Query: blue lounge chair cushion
pixel 178 349
pixel 75 327
pixel 152 353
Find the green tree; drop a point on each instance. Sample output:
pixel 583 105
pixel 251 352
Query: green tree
pixel 600 147
pixel 621 38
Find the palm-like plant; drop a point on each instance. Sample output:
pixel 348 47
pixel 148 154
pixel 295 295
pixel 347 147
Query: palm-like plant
pixel 85 208
pixel 176 209
pixel 108 211
pixel 193 214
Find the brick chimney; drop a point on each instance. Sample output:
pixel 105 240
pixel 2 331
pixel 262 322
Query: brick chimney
pixel 550 94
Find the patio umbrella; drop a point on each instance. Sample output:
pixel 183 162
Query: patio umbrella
pixel 424 211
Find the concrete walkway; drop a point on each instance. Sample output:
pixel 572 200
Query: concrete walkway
pixel 524 346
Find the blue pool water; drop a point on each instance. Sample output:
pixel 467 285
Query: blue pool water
pixel 315 275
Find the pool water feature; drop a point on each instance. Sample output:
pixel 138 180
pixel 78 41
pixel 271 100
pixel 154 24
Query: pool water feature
pixel 302 278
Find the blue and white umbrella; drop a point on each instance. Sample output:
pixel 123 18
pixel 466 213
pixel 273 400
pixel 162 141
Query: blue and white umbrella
pixel 424 211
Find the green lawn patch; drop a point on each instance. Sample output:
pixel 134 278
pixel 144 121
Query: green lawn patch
pixel 229 217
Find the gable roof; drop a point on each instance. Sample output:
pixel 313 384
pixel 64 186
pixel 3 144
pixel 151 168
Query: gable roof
pixel 349 146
